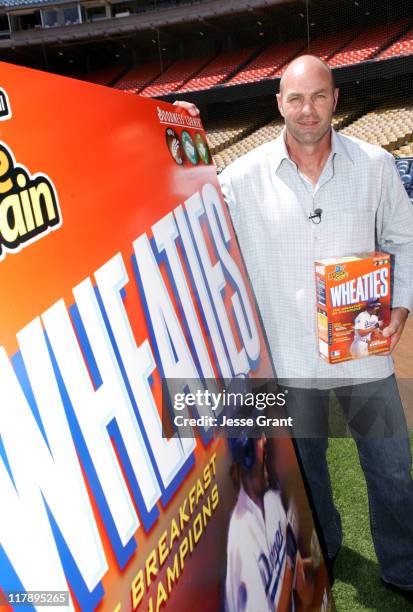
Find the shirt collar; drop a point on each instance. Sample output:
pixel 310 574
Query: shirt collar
pixel 280 152
pixel 338 146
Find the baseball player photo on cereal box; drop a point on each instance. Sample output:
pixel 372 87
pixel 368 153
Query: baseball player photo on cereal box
pixel 353 306
pixel 274 560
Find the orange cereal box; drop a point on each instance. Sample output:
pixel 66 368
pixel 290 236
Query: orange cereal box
pixel 353 306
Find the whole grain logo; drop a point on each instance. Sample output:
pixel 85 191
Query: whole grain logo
pixel 5 109
pixel 29 207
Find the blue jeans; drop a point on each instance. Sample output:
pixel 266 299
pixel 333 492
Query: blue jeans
pixel 385 459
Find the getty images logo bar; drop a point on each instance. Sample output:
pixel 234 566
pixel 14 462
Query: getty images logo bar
pixel 5 111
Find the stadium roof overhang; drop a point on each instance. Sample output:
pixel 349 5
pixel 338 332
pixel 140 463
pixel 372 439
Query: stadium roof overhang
pixel 163 17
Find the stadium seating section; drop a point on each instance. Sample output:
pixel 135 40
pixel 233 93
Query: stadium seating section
pixel 391 128
pixel 404 150
pixel 367 44
pixel 219 70
pixel 405 168
pixel 139 77
pixel 104 76
pixel 263 134
pixel 268 62
pixel 402 46
pixel 230 142
pixel 223 134
pixel 249 65
pixel 327 46
pixel 386 127
pixel 175 76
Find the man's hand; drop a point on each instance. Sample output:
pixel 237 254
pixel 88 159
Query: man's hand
pixel 188 106
pixel 397 323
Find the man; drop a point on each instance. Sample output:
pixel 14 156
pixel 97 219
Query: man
pixel 262 550
pixel 366 325
pixel 272 194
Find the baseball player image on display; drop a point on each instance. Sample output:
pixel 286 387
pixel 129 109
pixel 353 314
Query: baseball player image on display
pixel 264 566
pixel 366 326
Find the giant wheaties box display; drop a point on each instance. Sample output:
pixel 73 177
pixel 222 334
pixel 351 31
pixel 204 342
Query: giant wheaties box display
pixel 119 268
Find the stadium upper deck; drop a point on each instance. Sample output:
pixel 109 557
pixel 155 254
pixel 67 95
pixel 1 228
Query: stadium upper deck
pixel 232 50
pixel 30 22
pixel 250 65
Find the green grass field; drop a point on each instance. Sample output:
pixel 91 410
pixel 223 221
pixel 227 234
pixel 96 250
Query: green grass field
pixel 357 586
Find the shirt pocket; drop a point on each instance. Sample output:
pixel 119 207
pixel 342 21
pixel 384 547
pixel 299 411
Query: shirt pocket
pixel 353 232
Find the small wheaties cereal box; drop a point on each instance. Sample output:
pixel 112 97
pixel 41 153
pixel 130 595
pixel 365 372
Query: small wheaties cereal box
pixel 353 306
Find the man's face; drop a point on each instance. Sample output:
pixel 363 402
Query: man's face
pixel 307 102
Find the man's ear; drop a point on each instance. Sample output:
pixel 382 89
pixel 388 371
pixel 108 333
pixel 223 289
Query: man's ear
pixel 336 92
pixel 279 103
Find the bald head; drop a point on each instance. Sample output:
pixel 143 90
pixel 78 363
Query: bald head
pixel 307 100
pixel 307 65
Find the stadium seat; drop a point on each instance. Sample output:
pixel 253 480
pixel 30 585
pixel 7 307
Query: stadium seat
pixel 405 168
pixel 406 180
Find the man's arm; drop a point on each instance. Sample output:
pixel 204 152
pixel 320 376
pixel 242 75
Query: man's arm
pixel 367 330
pixel 395 236
pixel 360 325
pixel 362 330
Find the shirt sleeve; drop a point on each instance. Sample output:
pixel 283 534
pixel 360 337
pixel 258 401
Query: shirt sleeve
pixel 227 191
pixel 394 227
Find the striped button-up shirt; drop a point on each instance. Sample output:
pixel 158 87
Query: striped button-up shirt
pixel 364 208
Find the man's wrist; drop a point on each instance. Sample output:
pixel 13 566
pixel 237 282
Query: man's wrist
pixel 402 310
pixel 402 307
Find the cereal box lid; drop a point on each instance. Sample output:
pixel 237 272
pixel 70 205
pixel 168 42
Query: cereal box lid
pixel 357 257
